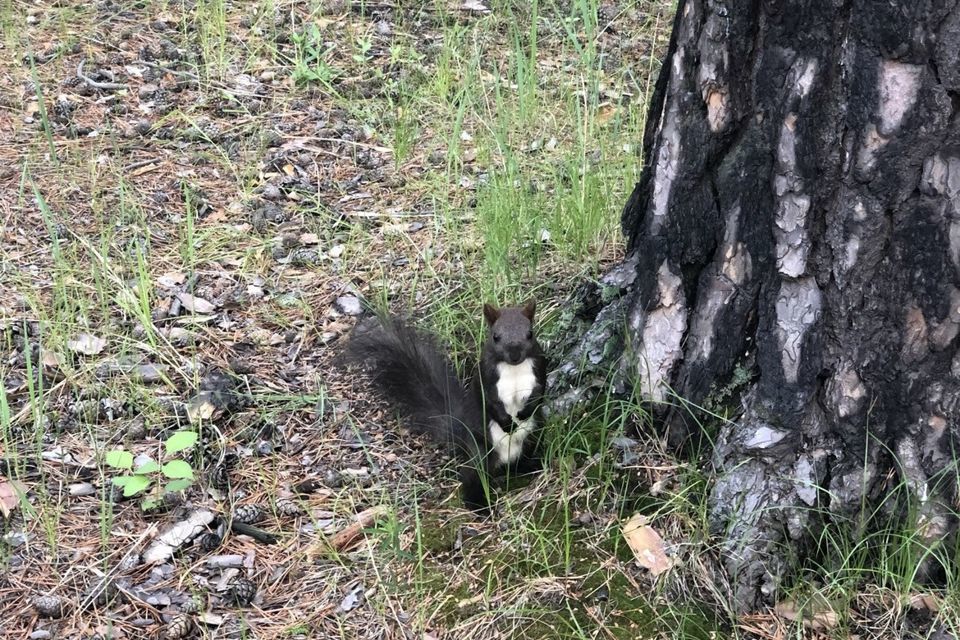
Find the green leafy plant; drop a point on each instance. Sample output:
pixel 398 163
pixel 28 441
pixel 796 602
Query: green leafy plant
pixel 176 474
pixel 312 60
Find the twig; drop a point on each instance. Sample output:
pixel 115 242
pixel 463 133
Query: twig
pixel 175 72
pixel 94 83
pixel 254 532
pixel 349 534
pixel 341 141
pixel 137 165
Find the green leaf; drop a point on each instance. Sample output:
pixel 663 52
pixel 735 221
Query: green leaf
pixel 178 469
pixel 150 503
pixel 119 459
pixel 132 485
pixel 148 467
pixel 177 485
pixel 181 440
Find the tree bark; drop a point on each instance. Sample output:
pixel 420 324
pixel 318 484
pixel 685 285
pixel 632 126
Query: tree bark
pixel 798 217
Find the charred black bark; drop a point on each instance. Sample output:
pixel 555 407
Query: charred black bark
pixel 800 211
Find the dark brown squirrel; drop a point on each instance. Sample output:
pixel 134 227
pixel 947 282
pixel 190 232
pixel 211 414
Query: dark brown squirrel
pixel 514 374
pixel 490 423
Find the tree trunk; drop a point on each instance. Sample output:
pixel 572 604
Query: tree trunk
pixel 798 217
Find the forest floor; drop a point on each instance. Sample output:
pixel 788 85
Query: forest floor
pixel 197 199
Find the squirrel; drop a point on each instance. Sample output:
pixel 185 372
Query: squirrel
pixel 491 422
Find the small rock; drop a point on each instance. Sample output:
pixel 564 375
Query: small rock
pixel 271 192
pixel 143 126
pixel 82 489
pixel 349 304
pixel 384 28
pixel 268 76
pixel 159 600
pixel 148 91
pixel 150 373
pixel 14 539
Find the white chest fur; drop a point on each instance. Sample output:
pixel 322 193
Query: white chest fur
pixel 509 446
pixel 515 384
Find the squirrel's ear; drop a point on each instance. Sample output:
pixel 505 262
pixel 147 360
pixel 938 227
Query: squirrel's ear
pixel 529 309
pixel 491 313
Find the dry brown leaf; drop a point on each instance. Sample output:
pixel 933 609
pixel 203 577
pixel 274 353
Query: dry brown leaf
pixel 646 544
pixel 50 359
pixel 10 492
pixel 817 614
pixel 172 279
pixel 145 169
pixel 927 601
pixel 87 344
pixel 606 112
pixel 200 408
pixel 195 304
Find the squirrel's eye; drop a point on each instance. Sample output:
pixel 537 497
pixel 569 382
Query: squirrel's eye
pixel 529 335
pixel 496 338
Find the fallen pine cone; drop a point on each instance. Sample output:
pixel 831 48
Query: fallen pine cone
pixel 242 591
pixel 248 514
pixel 180 627
pixel 220 477
pixel 210 541
pixel 288 508
pixel 193 605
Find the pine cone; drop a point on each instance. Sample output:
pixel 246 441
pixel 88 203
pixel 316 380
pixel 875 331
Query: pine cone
pixel 242 591
pixel 288 508
pixel 101 593
pixel 180 627
pixel 210 541
pixel 220 477
pixel 248 514
pixel 607 12
pixel 192 605
pixel 48 606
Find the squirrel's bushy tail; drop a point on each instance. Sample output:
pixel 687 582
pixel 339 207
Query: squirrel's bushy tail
pixel 410 371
